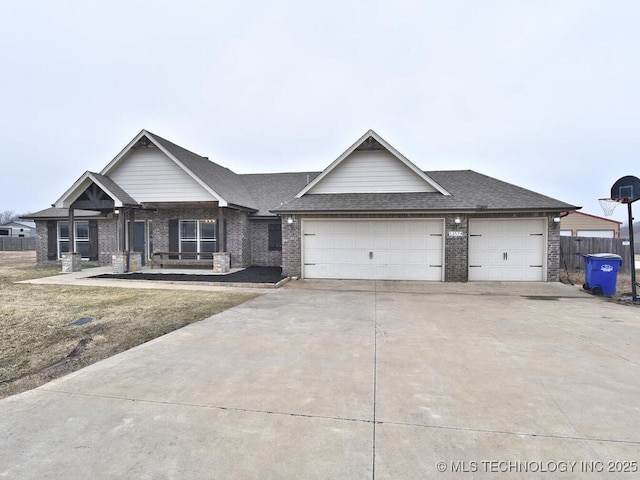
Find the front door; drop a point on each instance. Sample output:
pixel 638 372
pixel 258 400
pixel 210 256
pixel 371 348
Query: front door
pixel 139 240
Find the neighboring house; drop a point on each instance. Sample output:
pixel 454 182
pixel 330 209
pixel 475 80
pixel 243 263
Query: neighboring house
pixel 578 224
pixel 17 229
pixel 371 214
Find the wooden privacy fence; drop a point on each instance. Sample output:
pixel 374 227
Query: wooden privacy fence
pixel 17 243
pixel 572 248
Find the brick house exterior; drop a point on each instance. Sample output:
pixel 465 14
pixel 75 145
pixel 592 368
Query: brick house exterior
pixel 180 201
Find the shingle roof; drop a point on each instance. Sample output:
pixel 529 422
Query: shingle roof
pixel 114 188
pixel 270 190
pixel 224 182
pixel 57 213
pixel 469 190
pixel 267 194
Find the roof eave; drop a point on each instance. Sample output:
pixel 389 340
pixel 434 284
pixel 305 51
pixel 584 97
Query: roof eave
pixel 466 211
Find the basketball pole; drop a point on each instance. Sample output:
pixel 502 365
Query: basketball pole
pixel 633 254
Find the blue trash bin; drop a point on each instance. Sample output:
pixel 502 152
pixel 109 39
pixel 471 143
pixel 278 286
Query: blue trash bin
pixel 601 272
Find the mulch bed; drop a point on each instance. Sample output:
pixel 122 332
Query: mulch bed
pixel 248 275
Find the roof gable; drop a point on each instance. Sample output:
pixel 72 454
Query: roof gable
pixel 177 175
pixel 114 191
pixel 152 176
pixel 372 165
pixel 469 192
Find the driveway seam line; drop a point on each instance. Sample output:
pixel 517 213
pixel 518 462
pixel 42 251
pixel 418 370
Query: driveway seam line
pixel 375 375
pixel 503 432
pixel 212 407
pixel 356 420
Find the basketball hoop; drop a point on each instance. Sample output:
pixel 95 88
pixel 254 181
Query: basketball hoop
pixel 609 204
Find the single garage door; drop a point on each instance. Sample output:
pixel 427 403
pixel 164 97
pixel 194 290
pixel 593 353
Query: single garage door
pixel 373 249
pixel 507 250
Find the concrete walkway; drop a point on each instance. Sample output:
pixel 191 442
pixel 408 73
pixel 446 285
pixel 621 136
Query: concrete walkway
pixel 350 380
pixel 84 278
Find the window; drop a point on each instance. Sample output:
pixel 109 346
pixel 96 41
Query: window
pixel 198 236
pixel 81 238
pixel 275 236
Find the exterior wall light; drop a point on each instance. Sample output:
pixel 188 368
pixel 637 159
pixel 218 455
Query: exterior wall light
pixel 290 219
pixel 457 220
pixel 556 219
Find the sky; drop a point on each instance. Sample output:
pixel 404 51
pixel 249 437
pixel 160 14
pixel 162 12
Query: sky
pixel 542 94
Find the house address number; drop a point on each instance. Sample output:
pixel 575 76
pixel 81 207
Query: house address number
pixel 456 233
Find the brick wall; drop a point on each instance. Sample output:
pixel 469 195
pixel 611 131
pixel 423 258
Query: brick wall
pixel 238 238
pixel 107 240
pixel 260 253
pixel 42 245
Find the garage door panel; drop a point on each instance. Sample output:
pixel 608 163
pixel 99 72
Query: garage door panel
pixel 402 257
pixel 375 249
pixel 383 242
pixel 507 250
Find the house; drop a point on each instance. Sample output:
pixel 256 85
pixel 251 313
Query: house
pixel 371 214
pixel 17 229
pixel 579 224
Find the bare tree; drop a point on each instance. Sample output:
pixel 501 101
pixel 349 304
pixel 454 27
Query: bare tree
pixel 8 216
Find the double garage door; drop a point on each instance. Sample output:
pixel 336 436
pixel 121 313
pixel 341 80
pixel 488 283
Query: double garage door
pixel 373 249
pixel 498 249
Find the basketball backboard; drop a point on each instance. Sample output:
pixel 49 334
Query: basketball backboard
pixel 626 187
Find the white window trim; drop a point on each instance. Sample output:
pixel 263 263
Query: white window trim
pixel 77 240
pixel 198 238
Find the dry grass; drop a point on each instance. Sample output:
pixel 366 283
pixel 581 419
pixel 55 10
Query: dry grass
pixel 37 343
pixel 623 283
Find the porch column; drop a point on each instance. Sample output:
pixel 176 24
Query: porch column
pixel 71 259
pixel 132 231
pixel 123 227
pixel 120 259
pixel 221 244
pixel 72 232
pixel 135 258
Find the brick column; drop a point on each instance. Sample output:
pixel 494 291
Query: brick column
pixel 553 249
pixel 291 247
pixel 456 249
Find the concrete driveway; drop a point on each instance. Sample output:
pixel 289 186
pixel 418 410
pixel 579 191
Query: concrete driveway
pixel 350 380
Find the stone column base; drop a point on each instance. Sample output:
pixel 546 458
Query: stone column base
pixel 71 262
pixel 135 261
pixel 221 262
pixel 119 262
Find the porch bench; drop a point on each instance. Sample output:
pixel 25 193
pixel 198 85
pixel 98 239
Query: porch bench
pixel 165 258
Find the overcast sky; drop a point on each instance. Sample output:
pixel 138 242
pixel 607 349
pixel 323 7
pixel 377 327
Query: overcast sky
pixel 542 94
